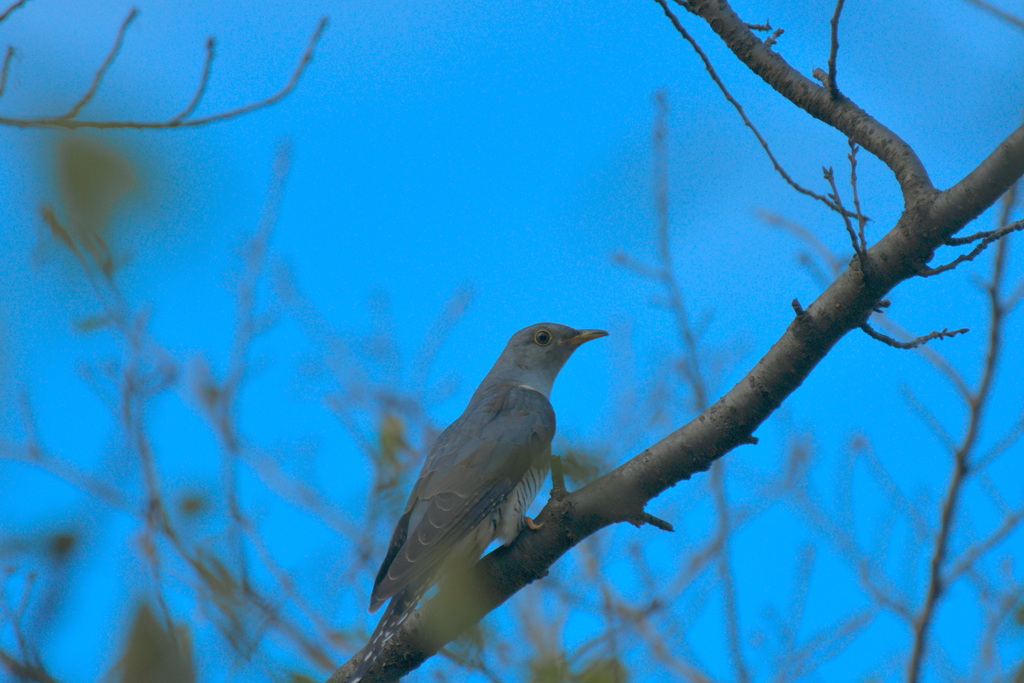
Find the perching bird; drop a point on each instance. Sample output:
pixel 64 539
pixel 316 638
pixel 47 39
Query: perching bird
pixel 481 475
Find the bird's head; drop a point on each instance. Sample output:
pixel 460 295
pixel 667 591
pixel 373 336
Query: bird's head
pixel 535 354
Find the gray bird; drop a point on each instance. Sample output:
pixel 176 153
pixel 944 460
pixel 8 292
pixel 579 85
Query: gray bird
pixel 481 475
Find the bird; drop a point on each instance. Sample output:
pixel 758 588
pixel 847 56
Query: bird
pixel 478 479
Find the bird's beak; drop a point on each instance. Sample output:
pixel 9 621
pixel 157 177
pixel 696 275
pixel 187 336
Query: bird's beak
pixel 583 336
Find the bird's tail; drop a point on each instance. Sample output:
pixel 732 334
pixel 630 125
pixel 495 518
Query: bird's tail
pixel 400 607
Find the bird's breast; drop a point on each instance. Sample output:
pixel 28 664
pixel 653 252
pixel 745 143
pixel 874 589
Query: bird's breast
pixel 508 518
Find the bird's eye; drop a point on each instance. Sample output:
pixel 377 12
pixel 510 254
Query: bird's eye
pixel 542 337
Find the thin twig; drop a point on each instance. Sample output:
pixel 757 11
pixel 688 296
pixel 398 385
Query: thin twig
pixel 203 80
pixel 245 334
pixel 913 343
pixel 100 72
pixel 975 552
pixel 6 69
pixel 774 37
pixel 7 12
pixel 891 489
pixel 861 218
pixel 961 462
pixel 1002 444
pixel 725 575
pixel 937 361
pixel 739 109
pixel 691 364
pixel 25 671
pixel 989 237
pixel 830 176
pixel 629 263
pixel 833 87
pixel 1002 14
pixel 929 418
pixel 835 265
pixel 75 124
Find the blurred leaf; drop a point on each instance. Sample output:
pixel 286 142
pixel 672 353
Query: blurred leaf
pixel 62 544
pixel 548 669
pixel 204 384
pixel 603 671
pixel 191 504
pixel 153 655
pixel 300 678
pixel 392 439
pixel 92 177
pixel 92 323
pixel 468 648
pixel 579 467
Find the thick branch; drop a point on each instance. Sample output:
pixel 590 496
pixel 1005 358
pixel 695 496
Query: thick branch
pixel 983 186
pixel 838 112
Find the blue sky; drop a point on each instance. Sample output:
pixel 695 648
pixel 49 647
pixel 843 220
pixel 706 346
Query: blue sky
pixel 499 149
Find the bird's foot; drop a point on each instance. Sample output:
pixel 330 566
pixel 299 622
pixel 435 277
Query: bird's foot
pixel 532 524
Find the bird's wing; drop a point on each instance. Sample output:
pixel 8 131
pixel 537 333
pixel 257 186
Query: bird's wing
pixel 474 465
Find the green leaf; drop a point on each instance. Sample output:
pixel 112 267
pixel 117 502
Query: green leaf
pixel 154 655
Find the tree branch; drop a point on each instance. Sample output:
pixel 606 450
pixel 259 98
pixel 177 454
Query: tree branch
pixel 739 109
pixel 100 72
pixel 983 186
pixel 69 122
pixel 929 219
pixel 617 496
pixel 7 12
pixel 1005 16
pixel 913 343
pixel 840 112
pixel 833 86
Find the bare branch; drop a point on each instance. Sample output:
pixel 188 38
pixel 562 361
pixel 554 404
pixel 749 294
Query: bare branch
pixel 691 363
pixel 180 120
pixel 7 12
pixel 913 343
pixel 989 237
pixel 615 496
pixel 5 70
pixel 725 574
pixel 861 218
pixel 1002 14
pixel 832 84
pixel 981 187
pixel 930 420
pixel 98 76
pixel 936 360
pixel 840 112
pixel 739 109
pixel 775 220
pixel 936 585
pixel 831 178
pixel 25 671
pixel 201 89
pixel 976 551
pixel 1002 444
pixel 961 466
